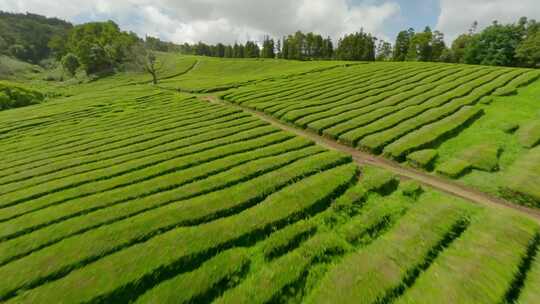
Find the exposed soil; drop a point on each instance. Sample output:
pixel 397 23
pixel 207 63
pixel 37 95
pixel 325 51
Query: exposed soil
pixel 363 158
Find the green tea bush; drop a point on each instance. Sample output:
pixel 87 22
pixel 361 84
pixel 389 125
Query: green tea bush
pixel 15 96
pixel 529 134
pixel 422 159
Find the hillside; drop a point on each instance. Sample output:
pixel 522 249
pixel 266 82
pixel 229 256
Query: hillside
pixel 117 191
pixel 27 36
pixel 455 120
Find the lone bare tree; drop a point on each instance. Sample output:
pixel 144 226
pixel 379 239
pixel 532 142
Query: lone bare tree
pixel 146 59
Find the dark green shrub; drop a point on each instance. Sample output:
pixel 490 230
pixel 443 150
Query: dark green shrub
pixel 14 96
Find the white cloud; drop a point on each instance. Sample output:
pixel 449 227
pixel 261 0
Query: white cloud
pixel 221 20
pixel 457 16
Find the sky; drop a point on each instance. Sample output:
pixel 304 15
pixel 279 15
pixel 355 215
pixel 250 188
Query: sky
pixel 228 21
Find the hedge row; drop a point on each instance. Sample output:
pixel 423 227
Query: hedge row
pixel 402 253
pixel 131 271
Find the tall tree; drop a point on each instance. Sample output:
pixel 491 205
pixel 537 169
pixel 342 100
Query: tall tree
pixel 327 50
pixel 459 46
pixel 384 51
pixel 420 47
pixel 219 50
pixel 285 49
pixel 268 48
pixel 100 46
pixel 357 46
pixel 228 51
pixel 278 51
pixel 148 61
pixel 438 47
pixel 528 52
pixel 251 50
pixel 401 47
pixel 70 63
pixel 495 45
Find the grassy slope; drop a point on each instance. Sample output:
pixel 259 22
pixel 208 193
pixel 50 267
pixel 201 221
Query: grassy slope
pixel 14 69
pixel 488 129
pixel 161 169
pixel 399 108
pixel 211 73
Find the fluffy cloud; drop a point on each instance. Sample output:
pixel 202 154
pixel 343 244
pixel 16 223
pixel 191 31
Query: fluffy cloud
pixel 221 20
pixel 457 15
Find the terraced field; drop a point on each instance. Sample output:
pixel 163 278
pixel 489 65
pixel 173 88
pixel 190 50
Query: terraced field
pixel 133 193
pixel 405 111
pixel 216 74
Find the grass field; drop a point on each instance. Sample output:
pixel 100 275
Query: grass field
pixel 117 191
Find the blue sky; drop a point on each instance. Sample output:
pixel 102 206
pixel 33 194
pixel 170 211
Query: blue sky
pixel 238 20
pixel 414 13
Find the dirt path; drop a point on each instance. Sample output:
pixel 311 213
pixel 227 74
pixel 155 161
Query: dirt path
pixel 363 158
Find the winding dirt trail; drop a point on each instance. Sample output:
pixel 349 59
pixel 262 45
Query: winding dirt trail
pixel 363 158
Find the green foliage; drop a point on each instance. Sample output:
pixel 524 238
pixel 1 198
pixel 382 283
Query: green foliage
pixel 402 45
pixel 100 46
pixel 251 50
pixel 11 68
pixel 359 46
pixel 483 157
pixel 412 189
pixel 391 261
pixel 302 46
pixel 155 44
pixel 454 167
pixel 423 158
pixel 197 285
pixel 426 46
pixel 509 127
pixel 495 45
pixel 501 45
pixel 70 63
pixel 480 266
pixel 213 74
pixel 528 51
pixel 14 95
pixel 281 241
pixel 200 202
pixel 531 293
pixel 529 134
pixel 378 180
pixel 459 47
pixel 522 179
pixel 431 134
pixel 268 48
pixel 384 51
pixel 27 36
pixel 57 45
pixel 486 100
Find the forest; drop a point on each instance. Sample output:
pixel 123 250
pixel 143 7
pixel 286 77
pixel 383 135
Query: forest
pixel 516 44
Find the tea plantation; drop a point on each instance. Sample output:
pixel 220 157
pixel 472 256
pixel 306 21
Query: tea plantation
pixel 117 191
pixel 447 118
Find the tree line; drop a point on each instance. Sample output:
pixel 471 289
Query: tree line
pixel 99 48
pixel 26 36
pixel 102 47
pixel 297 46
pixel 514 44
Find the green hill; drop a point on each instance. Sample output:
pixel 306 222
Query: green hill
pixel 117 191
pixel 27 36
pixel 399 109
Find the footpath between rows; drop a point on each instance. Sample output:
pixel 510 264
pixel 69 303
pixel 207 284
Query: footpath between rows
pixel 363 158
